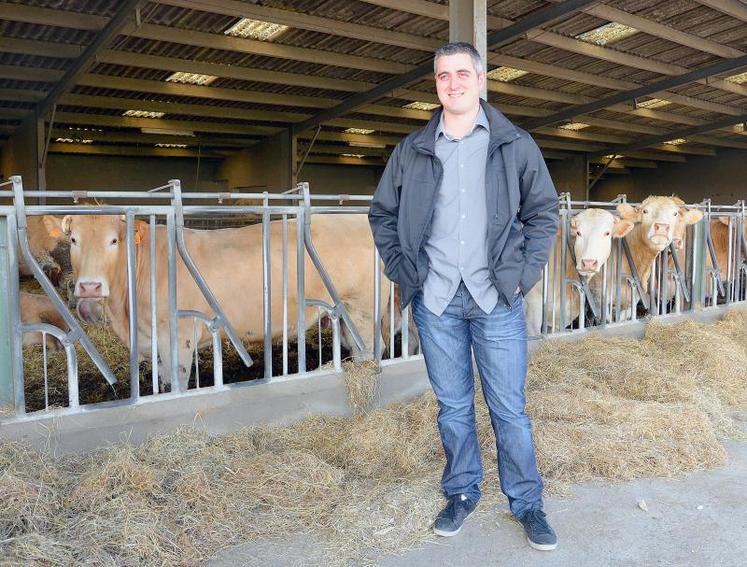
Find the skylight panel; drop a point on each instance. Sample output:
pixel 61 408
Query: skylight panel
pixel 652 103
pixel 255 29
pixel 417 105
pixel 608 33
pixel 505 74
pixel 676 141
pixel 358 131
pixel 190 78
pixel 143 114
pixel 171 145
pixel 739 79
pixel 573 126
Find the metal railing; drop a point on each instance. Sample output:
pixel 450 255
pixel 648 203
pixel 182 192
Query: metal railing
pixel 709 269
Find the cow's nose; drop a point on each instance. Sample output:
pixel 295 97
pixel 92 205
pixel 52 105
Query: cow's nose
pixel 589 264
pixel 89 289
pixel 661 227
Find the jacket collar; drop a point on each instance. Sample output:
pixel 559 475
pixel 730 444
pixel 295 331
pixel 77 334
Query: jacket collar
pixel 501 130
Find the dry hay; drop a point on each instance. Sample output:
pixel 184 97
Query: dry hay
pixel 604 408
pixel 362 381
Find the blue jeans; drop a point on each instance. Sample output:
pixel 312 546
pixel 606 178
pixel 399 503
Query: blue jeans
pixel 499 341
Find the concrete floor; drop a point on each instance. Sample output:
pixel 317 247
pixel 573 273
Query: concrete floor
pixel 698 521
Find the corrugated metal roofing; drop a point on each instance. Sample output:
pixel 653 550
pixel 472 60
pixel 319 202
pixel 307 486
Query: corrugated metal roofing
pixel 23 71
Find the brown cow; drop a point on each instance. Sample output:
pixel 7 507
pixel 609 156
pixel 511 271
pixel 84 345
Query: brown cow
pixel 37 308
pixel 657 219
pixel 231 262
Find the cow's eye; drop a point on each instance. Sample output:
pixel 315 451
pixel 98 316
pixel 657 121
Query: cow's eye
pixel 578 232
pixel 114 241
pixel 676 213
pixel 73 240
pixel 645 211
pixel 607 233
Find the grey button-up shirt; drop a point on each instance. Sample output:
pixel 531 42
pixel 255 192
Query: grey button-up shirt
pixel 457 247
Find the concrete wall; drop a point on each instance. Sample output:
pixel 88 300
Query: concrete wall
pixel 722 178
pixel 341 179
pixel 569 176
pixel 88 172
pixel 268 166
pixel 18 155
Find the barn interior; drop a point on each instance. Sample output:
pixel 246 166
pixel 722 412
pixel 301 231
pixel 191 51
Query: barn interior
pixel 626 96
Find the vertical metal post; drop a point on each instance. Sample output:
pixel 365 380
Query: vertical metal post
pixel 132 304
pixel 266 287
pixel 300 287
pixel 285 294
pixel 173 334
pixel 153 306
pixel 6 276
pixel 563 275
pixel 15 312
pixel 618 281
pixel 377 306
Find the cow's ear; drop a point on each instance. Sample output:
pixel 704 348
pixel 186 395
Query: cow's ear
pixel 627 211
pixel 574 225
pixel 140 231
pixel 57 227
pixel 622 227
pixel 724 220
pixel 691 216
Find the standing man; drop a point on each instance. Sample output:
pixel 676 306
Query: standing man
pixel 464 218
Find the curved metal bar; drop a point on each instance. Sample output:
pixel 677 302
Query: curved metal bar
pixel 76 331
pixel 73 395
pixel 331 289
pixel 201 283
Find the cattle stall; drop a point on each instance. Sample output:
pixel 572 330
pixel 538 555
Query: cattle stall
pixel 307 297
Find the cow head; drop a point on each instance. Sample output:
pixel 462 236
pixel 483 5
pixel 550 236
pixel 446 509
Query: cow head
pixel 593 231
pixel 663 220
pixel 97 250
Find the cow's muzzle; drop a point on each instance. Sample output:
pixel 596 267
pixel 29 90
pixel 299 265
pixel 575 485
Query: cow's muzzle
pixel 90 289
pixel 91 311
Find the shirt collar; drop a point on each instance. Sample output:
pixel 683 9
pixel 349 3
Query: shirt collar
pixel 481 120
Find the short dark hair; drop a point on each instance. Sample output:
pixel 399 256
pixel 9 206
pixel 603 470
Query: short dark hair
pixel 454 47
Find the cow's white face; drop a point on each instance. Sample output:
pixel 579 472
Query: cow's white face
pixel 663 219
pixel 97 249
pixel 593 231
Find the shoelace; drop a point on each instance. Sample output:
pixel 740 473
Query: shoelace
pixel 536 519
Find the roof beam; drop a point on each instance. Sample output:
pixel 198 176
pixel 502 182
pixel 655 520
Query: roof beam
pixel 606 12
pixel 684 133
pixel 51 17
pixel 499 37
pixel 18 73
pixel 43 48
pixel 265 48
pixel 671 82
pixel 552 39
pixel 88 149
pixel 140 138
pixel 81 64
pixel 733 8
pixel 308 22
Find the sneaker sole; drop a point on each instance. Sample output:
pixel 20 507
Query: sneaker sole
pixel 542 546
pixel 443 533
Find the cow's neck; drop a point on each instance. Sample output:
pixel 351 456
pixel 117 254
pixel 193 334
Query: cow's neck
pixel 642 252
pixel 118 303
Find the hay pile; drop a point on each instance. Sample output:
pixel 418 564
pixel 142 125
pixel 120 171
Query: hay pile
pixel 362 485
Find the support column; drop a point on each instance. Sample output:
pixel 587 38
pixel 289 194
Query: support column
pixel 468 22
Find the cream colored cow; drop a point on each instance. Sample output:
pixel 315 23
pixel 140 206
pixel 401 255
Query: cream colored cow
pixel 230 260
pixel 592 231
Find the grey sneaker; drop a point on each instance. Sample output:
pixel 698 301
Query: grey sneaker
pixel 449 521
pixel 539 533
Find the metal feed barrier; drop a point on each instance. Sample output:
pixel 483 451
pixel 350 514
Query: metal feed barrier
pixel 696 280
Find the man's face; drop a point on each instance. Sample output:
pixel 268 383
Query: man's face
pixel 457 83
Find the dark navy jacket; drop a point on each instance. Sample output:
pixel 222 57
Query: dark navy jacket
pixel 521 201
